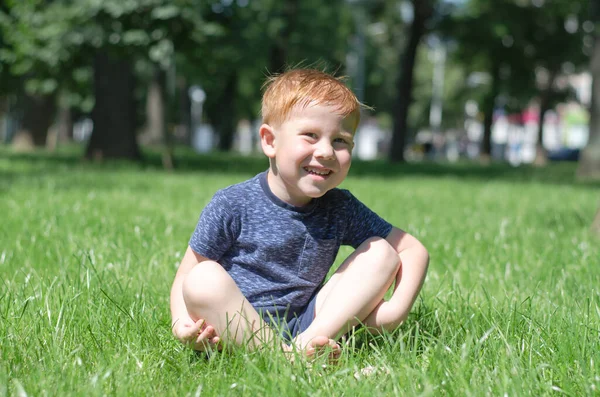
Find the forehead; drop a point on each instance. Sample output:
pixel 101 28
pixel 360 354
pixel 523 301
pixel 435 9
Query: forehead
pixel 323 115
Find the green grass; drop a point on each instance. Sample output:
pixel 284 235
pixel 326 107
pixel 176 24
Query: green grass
pixel 511 305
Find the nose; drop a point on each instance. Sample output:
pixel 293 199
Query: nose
pixel 324 150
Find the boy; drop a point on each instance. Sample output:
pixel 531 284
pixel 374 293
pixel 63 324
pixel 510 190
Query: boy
pixel 262 248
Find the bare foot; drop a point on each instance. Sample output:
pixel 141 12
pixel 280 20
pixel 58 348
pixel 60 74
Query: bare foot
pixel 321 345
pixel 316 347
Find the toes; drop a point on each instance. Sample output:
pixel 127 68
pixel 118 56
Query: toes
pixel 319 341
pixel 322 345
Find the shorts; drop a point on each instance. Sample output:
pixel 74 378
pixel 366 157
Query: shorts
pixel 290 326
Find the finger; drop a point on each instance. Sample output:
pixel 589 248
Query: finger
pixel 190 329
pixel 203 341
pixel 209 338
pixel 215 343
pixel 187 334
pixel 198 325
pixel 210 331
pixel 200 344
pixel 190 332
pixel 202 337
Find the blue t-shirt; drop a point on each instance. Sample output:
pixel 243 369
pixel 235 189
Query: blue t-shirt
pixel 279 254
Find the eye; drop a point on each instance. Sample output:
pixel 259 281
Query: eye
pixel 310 135
pixel 341 140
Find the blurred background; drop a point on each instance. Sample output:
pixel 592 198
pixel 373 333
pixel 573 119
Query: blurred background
pixel 503 80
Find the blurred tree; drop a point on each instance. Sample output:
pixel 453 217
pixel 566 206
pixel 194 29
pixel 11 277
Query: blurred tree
pixel 490 38
pixel 589 162
pixel 7 82
pixel 114 113
pixel 262 37
pixel 221 67
pixel 524 47
pixel 54 45
pixel 422 11
pixel 388 22
pixel 454 95
pixel 143 30
pixel 279 47
pixel 19 30
pixel 384 39
pixel 38 112
pixel 555 44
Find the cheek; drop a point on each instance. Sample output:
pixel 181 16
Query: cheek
pixel 295 153
pixel 344 156
pixel 300 150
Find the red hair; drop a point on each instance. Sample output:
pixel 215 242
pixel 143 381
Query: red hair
pixel 300 87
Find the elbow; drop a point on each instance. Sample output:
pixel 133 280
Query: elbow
pixel 426 257
pixel 423 255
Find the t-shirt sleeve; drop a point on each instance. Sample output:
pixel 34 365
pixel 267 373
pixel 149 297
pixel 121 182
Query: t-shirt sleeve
pixel 361 222
pixel 216 230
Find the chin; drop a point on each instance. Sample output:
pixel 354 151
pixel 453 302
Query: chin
pixel 315 193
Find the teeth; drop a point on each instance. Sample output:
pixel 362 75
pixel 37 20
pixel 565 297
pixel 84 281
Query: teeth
pixel 313 171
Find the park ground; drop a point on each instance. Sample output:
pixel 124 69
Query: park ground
pixel 511 305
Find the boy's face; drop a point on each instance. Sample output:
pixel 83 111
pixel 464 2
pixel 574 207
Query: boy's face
pixel 310 152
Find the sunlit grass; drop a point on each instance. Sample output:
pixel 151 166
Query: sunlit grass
pixel 87 255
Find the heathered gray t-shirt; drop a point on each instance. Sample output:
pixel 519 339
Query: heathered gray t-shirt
pixel 279 254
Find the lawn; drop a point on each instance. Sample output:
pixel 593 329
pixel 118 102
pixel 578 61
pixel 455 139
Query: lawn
pixel 511 305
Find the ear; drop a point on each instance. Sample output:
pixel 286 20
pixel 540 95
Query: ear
pixel 267 140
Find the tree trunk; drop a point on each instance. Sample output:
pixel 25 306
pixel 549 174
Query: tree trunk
pixel 422 12
pixel 114 114
pixel 541 155
pixel 62 130
pixel 227 118
pixel 489 105
pixel 589 161
pixel 38 112
pixel 4 115
pixel 65 125
pixel 154 131
pixel 278 53
pixel 277 57
pixel 184 116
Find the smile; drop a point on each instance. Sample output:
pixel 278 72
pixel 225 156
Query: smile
pixel 314 171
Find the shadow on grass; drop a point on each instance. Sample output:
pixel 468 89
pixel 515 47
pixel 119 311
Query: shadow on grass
pixel 186 161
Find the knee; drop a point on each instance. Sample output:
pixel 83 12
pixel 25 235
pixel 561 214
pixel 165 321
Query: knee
pixel 206 285
pixel 382 255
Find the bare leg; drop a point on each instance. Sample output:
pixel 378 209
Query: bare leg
pixel 354 291
pixel 211 294
pixel 379 318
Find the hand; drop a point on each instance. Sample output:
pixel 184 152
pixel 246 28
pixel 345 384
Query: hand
pixel 196 334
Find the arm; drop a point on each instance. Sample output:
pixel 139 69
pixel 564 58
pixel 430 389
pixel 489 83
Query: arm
pixel 178 309
pixel 189 331
pixel 414 260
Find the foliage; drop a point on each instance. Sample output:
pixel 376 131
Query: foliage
pixel 487 38
pixel 455 91
pixel 250 33
pixel 228 47
pixel 589 161
pixel 385 38
pixel 52 44
pixel 526 41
